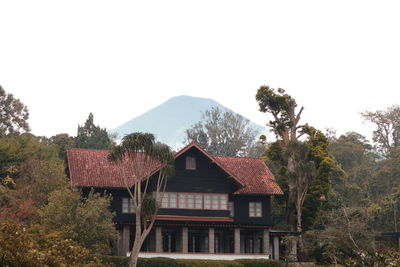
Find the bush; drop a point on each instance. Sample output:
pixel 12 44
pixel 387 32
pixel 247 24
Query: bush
pixel 260 263
pixel 157 262
pixel 207 263
pixel 117 261
pixel 31 247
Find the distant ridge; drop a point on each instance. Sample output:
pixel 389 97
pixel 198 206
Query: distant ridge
pixel 169 120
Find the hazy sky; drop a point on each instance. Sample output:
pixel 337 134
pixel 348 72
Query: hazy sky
pixel 118 59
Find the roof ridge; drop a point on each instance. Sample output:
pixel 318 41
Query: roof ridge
pixel 88 149
pixel 238 157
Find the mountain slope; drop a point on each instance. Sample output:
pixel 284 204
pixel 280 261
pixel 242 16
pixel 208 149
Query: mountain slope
pixel 169 120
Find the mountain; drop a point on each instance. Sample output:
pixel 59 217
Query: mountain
pixel 169 121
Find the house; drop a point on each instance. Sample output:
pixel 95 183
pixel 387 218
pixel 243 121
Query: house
pixel 212 205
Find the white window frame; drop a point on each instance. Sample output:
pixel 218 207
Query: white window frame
pixel 193 201
pixel 255 209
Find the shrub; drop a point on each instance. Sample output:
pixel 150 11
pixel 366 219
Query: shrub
pixel 117 261
pixel 208 263
pixel 260 263
pixel 157 262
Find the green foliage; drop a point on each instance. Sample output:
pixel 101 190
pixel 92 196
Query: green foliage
pixel 282 108
pixel 387 129
pixel 116 261
pixel 22 247
pixel 260 263
pixel 223 133
pixel 149 207
pixel 325 166
pixel 156 262
pixel 93 136
pixel 63 142
pixel 14 114
pixel 88 221
pixel 383 258
pixel 17 149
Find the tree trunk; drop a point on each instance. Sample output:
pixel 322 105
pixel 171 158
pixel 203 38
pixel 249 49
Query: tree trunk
pixel 134 255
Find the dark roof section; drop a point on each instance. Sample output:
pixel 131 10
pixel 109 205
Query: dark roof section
pixel 91 168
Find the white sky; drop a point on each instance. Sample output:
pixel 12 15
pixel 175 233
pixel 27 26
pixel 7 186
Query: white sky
pixel 118 59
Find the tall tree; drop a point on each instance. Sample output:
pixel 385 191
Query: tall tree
pixel 14 114
pixel 92 136
pixel 387 129
pixel 144 156
pixel 223 133
pixel 304 167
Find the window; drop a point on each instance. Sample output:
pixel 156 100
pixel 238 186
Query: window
pixel 255 209
pixel 190 163
pixel 231 208
pixel 127 205
pixel 218 201
pixel 169 200
pixel 208 201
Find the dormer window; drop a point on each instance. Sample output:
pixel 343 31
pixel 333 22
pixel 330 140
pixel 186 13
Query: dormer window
pixel 190 163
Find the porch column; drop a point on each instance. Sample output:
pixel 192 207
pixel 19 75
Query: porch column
pixel 158 239
pixel 237 241
pixel 211 240
pixel 125 239
pixel 184 240
pixel 266 241
pixel 276 247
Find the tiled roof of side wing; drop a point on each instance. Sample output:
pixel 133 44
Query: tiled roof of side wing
pixel 89 167
pixel 254 174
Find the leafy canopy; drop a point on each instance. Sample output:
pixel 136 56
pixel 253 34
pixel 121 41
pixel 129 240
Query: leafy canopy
pixel 92 136
pixel 14 114
pixel 86 220
pixel 223 133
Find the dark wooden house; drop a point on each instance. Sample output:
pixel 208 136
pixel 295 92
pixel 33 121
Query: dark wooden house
pixel 213 204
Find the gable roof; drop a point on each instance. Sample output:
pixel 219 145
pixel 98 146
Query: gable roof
pixel 91 168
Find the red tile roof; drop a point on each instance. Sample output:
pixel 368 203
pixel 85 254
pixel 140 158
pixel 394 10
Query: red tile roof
pixel 91 168
pixel 253 173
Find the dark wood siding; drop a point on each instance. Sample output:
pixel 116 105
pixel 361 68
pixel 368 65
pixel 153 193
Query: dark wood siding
pixel 241 204
pixel 207 177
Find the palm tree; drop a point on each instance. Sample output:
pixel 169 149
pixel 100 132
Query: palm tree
pixel 140 158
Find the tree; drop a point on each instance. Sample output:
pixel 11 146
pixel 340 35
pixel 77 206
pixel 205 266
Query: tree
pixel 387 129
pixel 33 247
pixel 17 149
pixel 63 142
pixel 144 157
pixel 304 167
pixel 14 114
pixel 86 220
pixel 92 136
pixel 223 133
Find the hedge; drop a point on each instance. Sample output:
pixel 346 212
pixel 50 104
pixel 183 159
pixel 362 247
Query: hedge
pixel 260 263
pixel 119 261
pixel 207 263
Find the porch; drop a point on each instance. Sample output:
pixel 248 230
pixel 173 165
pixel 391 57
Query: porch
pixel 204 242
